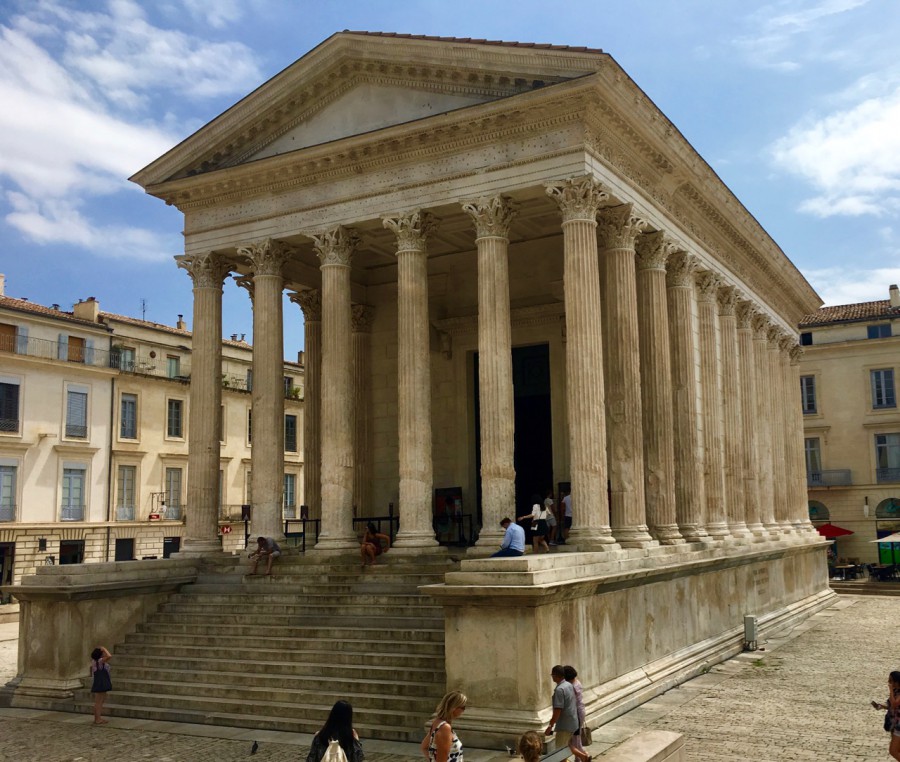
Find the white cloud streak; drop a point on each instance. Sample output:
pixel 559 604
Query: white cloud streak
pixel 839 285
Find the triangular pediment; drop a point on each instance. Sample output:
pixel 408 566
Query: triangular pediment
pixel 355 83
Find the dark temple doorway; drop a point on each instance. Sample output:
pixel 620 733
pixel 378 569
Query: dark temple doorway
pixel 533 442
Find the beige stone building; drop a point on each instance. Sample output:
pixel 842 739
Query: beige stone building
pixel 94 415
pixel 849 369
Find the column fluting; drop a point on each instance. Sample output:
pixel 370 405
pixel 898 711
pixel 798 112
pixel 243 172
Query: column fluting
pixel 776 420
pixel 361 328
pixel 745 312
pixel 310 303
pixel 764 415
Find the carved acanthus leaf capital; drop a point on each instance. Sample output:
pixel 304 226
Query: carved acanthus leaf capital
pixel 578 198
pixel 653 250
pixel 745 311
pixel 786 343
pixel 310 302
pixel 761 325
pixel 492 216
pixel 412 230
pixel 774 335
pixel 796 353
pixel 727 298
pixel 618 227
pixel 266 257
pixel 207 270
pixel 246 282
pixel 680 269
pixel 336 246
pixel 361 318
pixel 708 282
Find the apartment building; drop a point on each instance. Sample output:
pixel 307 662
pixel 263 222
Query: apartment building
pixel 848 371
pixel 94 415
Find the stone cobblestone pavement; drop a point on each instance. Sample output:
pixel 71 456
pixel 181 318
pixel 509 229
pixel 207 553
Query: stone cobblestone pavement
pixel 805 697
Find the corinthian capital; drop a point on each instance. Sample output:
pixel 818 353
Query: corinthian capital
pixel 761 325
pixel 266 257
pixel 618 227
pixel 653 249
pixel 246 282
pixel 708 283
pixel 310 302
pixel 745 311
pixel 578 198
pixel 727 298
pixel 206 270
pixel 774 334
pixel 336 246
pixel 492 216
pixel 361 318
pixel 680 269
pixel 796 353
pixel 412 230
pixel 786 343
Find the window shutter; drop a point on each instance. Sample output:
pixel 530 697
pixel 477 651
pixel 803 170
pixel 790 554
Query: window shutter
pixel 22 339
pixel 76 409
pixel 62 349
pixel 89 352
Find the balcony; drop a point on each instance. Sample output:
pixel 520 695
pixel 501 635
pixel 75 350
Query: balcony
pixel 7 512
pixel 883 475
pixel 172 513
pixel 144 365
pixel 124 513
pixel 9 424
pixel 76 431
pixel 838 477
pixel 48 349
pixel 72 513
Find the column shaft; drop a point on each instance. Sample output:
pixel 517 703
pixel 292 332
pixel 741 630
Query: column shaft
pixel 204 422
pixel 361 319
pixel 779 443
pixel 618 229
pixel 311 304
pixel 749 419
pixel 787 402
pixel 414 381
pixel 579 200
pixel 764 415
pixel 689 498
pixel 656 387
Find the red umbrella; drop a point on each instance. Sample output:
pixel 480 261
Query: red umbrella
pixel 832 530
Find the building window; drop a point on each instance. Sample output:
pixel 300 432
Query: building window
pixel 128 417
pixel 290 496
pixel 221 424
pixel 290 433
pixel 8 474
pixel 883 388
pixel 173 366
pixel 288 387
pixel 173 493
pixel 9 406
pixel 7 337
pixel 813 461
pixel 73 494
pixel 174 419
pixel 808 394
pixel 879 331
pixel 76 413
pixel 124 549
pixel 126 359
pixel 249 379
pixel 171 545
pixel 887 457
pixel 250 426
pixel 125 493
pixel 806 339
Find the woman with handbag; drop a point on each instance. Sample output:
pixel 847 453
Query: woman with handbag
pixel 575 743
pixel 539 528
pixel 337 733
pixel 892 716
pixel 441 744
pixel 101 683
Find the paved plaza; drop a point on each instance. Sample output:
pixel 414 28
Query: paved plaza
pixel 806 696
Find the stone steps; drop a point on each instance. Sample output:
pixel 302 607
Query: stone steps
pixel 277 652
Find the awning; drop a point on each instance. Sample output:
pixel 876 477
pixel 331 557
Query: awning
pixel 832 530
pixel 890 538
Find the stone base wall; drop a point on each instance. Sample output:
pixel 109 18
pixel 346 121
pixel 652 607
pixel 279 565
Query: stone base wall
pixel 633 626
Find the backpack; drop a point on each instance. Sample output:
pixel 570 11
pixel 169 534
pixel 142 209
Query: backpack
pixel 334 752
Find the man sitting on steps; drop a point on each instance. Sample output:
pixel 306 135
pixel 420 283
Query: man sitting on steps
pixel 267 548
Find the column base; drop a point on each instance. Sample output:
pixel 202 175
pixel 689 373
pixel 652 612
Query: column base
pixel 740 530
pixel 718 530
pixel 196 548
pixel 693 532
pixel 490 538
pixel 667 534
pixel 415 541
pixel 599 539
pixel 634 537
pixel 336 543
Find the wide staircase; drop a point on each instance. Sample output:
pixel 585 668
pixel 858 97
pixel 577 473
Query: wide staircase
pixel 277 652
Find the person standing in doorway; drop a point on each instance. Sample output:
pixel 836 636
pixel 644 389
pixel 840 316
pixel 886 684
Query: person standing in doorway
pixel 564 721
pixel 567 517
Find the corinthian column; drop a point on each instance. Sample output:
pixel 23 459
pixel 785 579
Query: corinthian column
pixel 311 305
pixel 335 249
pixel 656 385
pixel 414 380
pixel 266 260
pixel 776 422
pixel 784 404
pixel 579 201
pixel 731 413
pixel 799 500
pixel 713 456
pixel 492 218
pixel 764 415
pixel 361 327
pixel 749 419
pixel 689 497
pixel 207 272
pixel 618 227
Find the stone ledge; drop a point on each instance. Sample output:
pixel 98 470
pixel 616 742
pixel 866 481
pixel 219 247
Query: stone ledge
pixel 648 746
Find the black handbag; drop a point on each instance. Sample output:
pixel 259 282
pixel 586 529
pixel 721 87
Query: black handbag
pixel 888 724
pixel 102 681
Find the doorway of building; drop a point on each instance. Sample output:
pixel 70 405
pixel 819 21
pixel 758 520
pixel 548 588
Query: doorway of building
pixel 533 440
pixel 7 564
pixel 71 551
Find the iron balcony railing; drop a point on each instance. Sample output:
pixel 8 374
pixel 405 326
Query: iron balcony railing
pixel 48 349
pixel 887 475
pixel 836 477
pixel 125 513
pixel 76 431
pixel 72 513
pixel 144 365
pixel 9 424
pixel 7 512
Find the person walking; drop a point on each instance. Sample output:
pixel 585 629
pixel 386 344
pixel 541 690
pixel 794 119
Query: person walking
pixel 566 518
pixel 101 683
pixel 539 528
pixel 552 523
pixel 575 743
pixel 564 720
pixel 892 707
pixel 338 727
pixel 441 744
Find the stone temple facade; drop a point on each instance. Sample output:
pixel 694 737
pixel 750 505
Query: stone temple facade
pixel 515 273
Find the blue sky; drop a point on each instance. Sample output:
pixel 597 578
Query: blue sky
pixel 795 103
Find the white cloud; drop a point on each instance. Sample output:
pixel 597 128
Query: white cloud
pixel 838 285
pixel 217 13
pixel 851 157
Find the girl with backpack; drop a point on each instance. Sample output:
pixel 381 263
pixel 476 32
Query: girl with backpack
pixel 337 741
